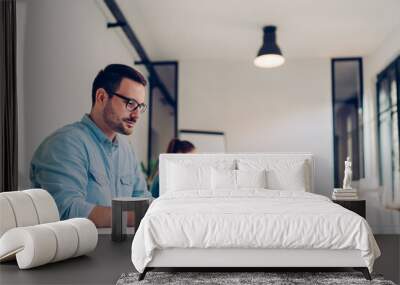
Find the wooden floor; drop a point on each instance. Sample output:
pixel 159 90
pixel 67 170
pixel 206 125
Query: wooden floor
pixel 110 260
pixel 103 266
pixel 389 262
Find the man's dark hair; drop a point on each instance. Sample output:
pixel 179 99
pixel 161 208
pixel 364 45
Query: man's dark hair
pixel 110 78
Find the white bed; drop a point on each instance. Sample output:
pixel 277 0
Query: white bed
pixel 268 217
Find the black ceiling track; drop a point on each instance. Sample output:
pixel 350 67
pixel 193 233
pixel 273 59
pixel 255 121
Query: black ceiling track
pixel 122 23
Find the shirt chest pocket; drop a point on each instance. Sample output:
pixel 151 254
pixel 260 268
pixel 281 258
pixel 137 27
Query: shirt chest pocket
pixel 97 177
pixel 98 188
pixel 126 185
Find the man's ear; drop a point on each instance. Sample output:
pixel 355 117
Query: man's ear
pixel 101 96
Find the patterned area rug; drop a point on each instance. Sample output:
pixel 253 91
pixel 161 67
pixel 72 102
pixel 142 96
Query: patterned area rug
pixel 229 278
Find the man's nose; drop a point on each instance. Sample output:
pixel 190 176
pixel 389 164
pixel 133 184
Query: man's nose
pixel 135 114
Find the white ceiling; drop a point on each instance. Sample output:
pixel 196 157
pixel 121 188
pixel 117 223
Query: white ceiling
pixel 232 29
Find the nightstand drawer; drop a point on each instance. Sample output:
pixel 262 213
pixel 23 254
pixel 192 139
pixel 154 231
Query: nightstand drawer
pixel 357 206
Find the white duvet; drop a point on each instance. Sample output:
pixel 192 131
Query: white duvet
pixel 251 218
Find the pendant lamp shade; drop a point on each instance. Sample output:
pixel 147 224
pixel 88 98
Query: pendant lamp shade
pixel 270 54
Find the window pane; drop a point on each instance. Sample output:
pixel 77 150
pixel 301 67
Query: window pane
pixel 383 96
pixel 163 113
pixel 388 127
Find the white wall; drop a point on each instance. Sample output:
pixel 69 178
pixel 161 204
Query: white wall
pixel 61 47
pixel 286 109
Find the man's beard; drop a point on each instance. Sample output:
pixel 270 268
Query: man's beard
pixel 115 123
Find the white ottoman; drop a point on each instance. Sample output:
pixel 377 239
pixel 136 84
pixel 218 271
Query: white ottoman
pixel 31 232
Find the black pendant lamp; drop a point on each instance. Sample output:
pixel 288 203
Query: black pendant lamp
pixel 270 54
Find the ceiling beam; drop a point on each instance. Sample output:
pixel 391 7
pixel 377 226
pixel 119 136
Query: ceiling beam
pixel 133 39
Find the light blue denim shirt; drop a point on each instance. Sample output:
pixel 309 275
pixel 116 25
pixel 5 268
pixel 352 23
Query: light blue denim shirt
pixel 81 167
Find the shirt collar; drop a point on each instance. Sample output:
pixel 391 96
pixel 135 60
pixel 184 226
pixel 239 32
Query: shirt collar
pixel 87 121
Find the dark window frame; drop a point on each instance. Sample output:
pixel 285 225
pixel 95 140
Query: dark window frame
pixel 152 86
pixel 336 173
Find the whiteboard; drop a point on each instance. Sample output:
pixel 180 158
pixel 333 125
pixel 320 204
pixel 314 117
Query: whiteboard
pixel 205 141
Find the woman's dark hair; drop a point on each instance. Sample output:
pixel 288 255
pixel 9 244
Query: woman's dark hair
pixel 178 146
pixel 110 78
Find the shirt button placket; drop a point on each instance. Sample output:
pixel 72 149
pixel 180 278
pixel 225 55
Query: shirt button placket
pixel 112 174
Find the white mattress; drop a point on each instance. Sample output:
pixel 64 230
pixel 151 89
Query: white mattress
pixel 251 218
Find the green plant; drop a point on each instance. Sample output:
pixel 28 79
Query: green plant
pixel 150 171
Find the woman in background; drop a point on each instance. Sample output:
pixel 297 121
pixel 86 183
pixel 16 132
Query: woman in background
pixel 174 146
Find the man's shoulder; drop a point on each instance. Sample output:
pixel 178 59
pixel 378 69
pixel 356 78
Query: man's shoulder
pixel 75 130
pixel 69 135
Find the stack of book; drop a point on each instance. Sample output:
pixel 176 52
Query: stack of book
pixel 344 194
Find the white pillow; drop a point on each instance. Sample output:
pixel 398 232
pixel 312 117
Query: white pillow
pixel 236 179
pixel 288 179
pixel 223 179
pixel 282 174
pixel 192 173
pixel 183 177
pixel 251 178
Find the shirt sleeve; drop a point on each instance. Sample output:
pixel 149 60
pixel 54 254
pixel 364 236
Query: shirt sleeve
pixel 60 167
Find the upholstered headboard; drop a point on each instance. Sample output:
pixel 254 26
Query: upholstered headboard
pixel 236 161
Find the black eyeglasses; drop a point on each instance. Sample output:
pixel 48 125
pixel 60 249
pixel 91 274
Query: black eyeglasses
pixel 131 104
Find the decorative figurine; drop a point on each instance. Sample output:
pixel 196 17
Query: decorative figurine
pixel 348 173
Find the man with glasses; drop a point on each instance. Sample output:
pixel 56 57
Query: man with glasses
pixel 86 164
